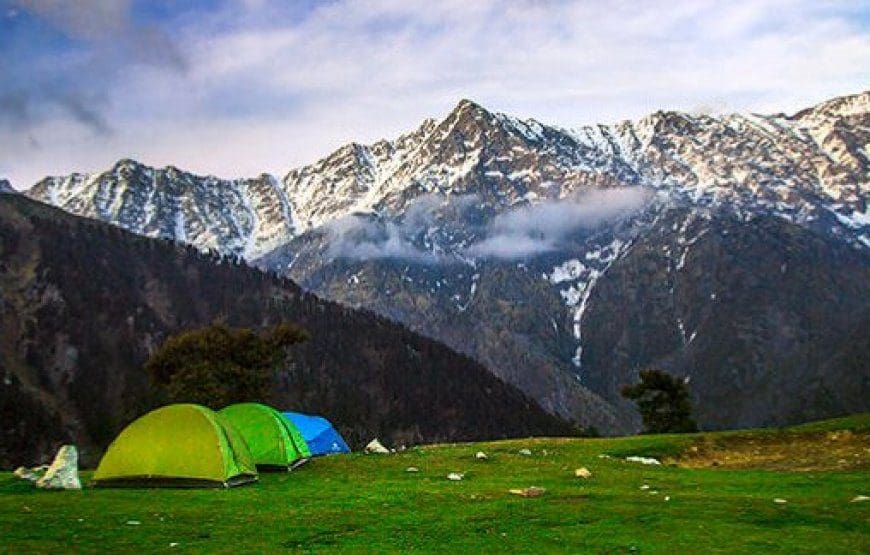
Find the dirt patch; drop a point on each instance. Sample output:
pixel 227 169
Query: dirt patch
pixel 838 450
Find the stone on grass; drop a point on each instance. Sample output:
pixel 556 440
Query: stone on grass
pixel 481 456
pixel 780 501
pixel 31 474
pixel 533 491
pixel 582 473
pixel 859 499
pixel 375 446
pixel 643 460
pixel 455 476
pixel 644 487
pixel 526 452
pixel 63 472
pixel 412 469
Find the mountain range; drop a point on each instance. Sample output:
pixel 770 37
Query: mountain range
pixel 732 250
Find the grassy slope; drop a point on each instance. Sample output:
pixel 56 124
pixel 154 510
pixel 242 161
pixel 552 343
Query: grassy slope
pixel 369 503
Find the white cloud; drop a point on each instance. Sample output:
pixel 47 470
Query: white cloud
pixel 544 227
pixel 266 90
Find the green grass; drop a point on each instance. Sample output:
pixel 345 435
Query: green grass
pixel 370 503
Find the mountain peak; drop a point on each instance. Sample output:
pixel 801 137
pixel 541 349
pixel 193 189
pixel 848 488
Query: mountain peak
pixel 469 107
pixel 5 187
pixel 126 163
pixel 841 106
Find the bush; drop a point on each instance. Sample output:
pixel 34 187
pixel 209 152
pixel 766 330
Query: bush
pixel 217 365
pixel 663 402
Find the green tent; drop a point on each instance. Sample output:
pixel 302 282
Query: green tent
pixel 273 440
pixel 177 445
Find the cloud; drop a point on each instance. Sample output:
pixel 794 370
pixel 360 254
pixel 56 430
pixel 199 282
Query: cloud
pixel 544 227
pixel 364 238
pixel 240 87
pixel 62 59
pixel 517 233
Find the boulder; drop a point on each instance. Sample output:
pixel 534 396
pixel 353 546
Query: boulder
pixel 583 473
pixel 643 460
pixel 31 474
pixel 481 456
pixel 526 452
pixel 455 476
pixel 63 472
pixel 533 491
pixel 375 446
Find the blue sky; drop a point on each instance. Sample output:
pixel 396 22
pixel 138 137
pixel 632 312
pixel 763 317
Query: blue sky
pixel 235 87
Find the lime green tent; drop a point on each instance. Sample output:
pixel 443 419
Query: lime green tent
pixel 177 445
pixel 273 440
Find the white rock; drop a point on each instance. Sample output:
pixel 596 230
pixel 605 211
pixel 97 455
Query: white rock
pixel 526 452
pixel 481 456
pixel 643 460
pixel 375 446
pixel 582 473
pixel 667 497
pixel 455 476
pixel 133 523
pixel 31 474
pixel 644 487
pixel 780 501
pixel 63 472
pixel 412 469
pixel 859 499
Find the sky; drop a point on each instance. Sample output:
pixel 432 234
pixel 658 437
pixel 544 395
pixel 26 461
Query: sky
pixel 240 87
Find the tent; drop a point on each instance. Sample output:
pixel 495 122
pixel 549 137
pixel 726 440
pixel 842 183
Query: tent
pixel 177 445
pixel 273 441
pixel 321 437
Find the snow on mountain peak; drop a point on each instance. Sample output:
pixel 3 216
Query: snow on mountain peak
pixel 810 168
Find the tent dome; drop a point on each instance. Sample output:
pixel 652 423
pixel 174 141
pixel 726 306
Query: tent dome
pixel 320 435
pixel 272 439
pixel 177 445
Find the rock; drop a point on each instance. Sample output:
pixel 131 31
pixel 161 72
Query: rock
pixel 63 472
pixel 603 456
pixel 31 474
pixel 526 452
pixel 133 523
pixel 667 497
pixel 481 456
pixel 859 499
pixel 455 476
pixel 533 491
pixel 780 501
pixel 412 469
pixel 644 487
pixel 375 446
pixel 643 460
pixel 582 473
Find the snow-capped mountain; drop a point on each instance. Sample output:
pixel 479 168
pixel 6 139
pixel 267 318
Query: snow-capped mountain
pixel 242 216
pixel 526 245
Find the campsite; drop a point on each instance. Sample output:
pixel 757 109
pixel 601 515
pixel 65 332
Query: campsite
pixel 775 491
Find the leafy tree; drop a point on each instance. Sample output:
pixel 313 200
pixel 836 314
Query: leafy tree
pixel 218 365
pixel 663 402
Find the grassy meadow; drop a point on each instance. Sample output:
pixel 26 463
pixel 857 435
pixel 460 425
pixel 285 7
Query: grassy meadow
pixel 715 492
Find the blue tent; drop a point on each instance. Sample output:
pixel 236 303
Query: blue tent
pixel 321 437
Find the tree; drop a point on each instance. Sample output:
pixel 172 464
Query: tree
pixel 663 402
pixel 218 365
